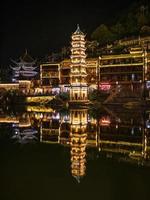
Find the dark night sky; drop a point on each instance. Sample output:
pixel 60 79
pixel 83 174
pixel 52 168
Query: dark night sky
pixel 46 26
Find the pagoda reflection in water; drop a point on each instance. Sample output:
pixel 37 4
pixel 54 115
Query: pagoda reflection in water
pixel 124 135
pixel 78 137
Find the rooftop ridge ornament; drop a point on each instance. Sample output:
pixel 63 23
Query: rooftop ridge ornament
pixel 26 57
pixel 78 30
pixel 78 27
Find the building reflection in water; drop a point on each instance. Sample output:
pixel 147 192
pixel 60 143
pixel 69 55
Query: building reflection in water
pixel 124 135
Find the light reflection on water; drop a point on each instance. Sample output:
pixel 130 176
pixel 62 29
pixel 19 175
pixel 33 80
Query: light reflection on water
pixel 122 136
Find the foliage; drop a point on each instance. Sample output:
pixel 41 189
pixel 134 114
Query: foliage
pixel 129 23
pixel 5 74
pixel 56 102
pixel 97 95
pixel 10 97
pixel 103 35
pixel 118 48
pixel 59 101
pixel 96 111
pixel 64 96
pixel 145 30
pixel 118 30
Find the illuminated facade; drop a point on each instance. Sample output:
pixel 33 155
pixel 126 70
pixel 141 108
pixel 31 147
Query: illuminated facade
pixel 50 77
pixel 148 66
pixel 92 72
pixel 123 68
pixel 65 75
pixel 79 74
pixel 78 83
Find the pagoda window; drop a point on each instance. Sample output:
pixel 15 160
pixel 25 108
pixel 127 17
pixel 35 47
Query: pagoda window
pixel 76 96
pixel 76 52
pixel 83 80
pixel 76 80
pixel 84 96
pixel 75 60
pixel 76 70
pixel 83 70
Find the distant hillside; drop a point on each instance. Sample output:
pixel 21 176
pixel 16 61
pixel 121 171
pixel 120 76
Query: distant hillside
pixel 135 21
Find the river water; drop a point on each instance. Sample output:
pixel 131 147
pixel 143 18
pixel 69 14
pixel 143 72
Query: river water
pixel 80 153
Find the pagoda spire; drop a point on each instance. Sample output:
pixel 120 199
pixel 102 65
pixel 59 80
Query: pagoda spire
pixel 26 57
pixel 78 30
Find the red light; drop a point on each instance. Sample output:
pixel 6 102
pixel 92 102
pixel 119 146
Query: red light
pixel 105 121
pixel 105 86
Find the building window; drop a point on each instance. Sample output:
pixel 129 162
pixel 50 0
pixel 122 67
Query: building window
pixel 76 96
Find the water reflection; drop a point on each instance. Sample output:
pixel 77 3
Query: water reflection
pixel 25 135
pixel 118 134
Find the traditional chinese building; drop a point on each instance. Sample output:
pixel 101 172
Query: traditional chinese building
pixel 78 82
pixel 65 75
pixel 92 72
pixel 124 69
pixel 80 74
pixel 50 77
pixel 25 68
pixel 25 72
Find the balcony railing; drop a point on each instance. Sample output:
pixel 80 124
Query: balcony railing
pixel 50 74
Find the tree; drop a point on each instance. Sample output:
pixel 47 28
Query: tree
pixel 64 96
pixel 64 52
pixel 91 46
pixel 119 30
pixel 98 95
pixel 145 30
pixel 103 35
pixel 142 16
pixel 131 25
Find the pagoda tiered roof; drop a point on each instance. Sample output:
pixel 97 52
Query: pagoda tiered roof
pixel 25 67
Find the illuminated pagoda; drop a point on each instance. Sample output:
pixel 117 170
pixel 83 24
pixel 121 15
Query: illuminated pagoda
pixel 78 137
pixel 24 69
pixel 78 74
